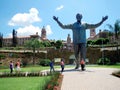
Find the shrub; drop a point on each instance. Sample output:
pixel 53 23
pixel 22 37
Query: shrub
pixel 45 62
pixel 2 56
pixel 24 62
pixel 14 55
pixel 103 61
pixel 54 82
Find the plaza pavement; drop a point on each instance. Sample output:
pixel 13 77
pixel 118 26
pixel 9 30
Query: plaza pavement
pixel 91 79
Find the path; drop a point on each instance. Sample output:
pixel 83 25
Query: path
pixel 91 79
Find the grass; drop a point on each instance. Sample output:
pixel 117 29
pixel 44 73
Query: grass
pixel 27 69
pixel 24 83
pixel 36 68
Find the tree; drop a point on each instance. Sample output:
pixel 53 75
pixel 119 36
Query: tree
pixel 1 40
pixel 58 44
pixel 14 41
pixel 33 44
pixel 46 43
pixel 116 29
pixel 52 44
pixel 89 42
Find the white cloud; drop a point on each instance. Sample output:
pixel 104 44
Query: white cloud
pixel 30 30
pixel 59 8
pixel 23 19
pixel 48 30
pixel 26 20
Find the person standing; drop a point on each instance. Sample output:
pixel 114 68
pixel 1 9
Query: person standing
pixel 51 66
pixel 18 66
pixel 62 65
pixel 11 67
pixel 79 35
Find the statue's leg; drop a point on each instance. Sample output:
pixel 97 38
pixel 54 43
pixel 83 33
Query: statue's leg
pixel 76 51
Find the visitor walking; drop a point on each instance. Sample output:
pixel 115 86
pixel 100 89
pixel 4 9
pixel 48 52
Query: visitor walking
pixel 18 66
pixel 11 67
pixel 51 66
pixel 62 65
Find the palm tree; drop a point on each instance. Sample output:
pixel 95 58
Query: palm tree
pixel 33 44
pixel 116 30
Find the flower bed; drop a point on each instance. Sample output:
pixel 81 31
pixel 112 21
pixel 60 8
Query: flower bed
pixel 56 82
pixel 24 74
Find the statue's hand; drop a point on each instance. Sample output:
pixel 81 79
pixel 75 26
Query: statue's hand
pixel 55 18
pixel 104 18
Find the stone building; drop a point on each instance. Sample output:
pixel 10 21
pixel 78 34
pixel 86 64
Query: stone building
pixel 68 43
pixel 43 34
pixel 103 34
pixel 22 40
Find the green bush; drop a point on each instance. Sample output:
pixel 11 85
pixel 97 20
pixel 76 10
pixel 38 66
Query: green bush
pixel 103 61
pixel 13 55
pixel 2 56
pixel 24 62
pixel 45 62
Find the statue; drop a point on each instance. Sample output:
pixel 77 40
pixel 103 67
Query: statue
pixel 79 36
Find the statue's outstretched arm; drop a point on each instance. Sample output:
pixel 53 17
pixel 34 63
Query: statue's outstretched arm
pixel 61 25
pixel 89 26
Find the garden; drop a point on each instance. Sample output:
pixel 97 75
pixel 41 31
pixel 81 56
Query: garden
pixel 35 79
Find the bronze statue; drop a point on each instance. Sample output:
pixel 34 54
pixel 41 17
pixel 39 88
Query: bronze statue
pixel 79 36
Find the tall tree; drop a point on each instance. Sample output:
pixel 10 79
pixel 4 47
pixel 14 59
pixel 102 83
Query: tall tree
pixel 1 40
pixel 33 44
pixel 14 40
pixel 116 29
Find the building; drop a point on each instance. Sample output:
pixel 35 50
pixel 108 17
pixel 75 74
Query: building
pixel 103 34
pixel 22 40
pixel 68 44
pixel 43 34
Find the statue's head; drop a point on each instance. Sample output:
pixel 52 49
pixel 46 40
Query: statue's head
pixel 78 16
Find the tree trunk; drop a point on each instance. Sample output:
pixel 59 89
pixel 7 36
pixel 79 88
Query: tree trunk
pixel 33 56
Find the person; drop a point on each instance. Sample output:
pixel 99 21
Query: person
pixel 51 66
pixel 11 67
pixel 62 64
pixel 18 65
pixel 82 65
pixel 79 35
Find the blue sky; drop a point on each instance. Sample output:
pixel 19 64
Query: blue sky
pixel 29 16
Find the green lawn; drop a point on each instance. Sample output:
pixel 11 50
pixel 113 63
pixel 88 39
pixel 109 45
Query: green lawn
pixel 30 68
pixel 27 69
pixel 23 83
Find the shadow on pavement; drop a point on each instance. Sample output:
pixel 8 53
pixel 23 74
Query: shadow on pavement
pixel 76 70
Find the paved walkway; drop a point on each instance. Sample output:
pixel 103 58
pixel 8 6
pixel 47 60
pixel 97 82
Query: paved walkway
pixel 91 79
